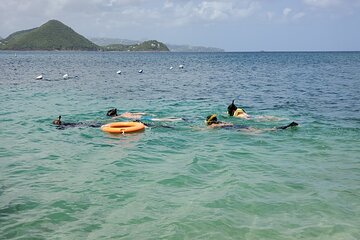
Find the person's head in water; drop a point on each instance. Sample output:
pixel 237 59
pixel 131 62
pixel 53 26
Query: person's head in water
pixel 234 111
pixel 232 108
pixel 211 119
pixel 57 121
pixel 112 112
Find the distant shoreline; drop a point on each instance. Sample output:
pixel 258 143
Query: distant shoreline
pixel 102 51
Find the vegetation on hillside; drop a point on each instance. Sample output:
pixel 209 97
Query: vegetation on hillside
pixel 172 47
pixel 52 35
pixel 55 35
pixel 151 45
pixel 109 41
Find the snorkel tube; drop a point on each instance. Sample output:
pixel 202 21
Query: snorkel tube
pixel 211 119
pixel 232 108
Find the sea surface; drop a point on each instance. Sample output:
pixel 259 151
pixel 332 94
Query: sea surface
pixel 180 180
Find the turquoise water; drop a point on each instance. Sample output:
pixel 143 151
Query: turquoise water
pixel 187 181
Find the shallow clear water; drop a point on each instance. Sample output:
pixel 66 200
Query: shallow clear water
pixel 187 181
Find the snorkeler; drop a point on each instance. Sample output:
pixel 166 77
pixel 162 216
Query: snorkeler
pixel 237 112
pixel 113 114
pixel 234 111
pixel 212 122
pixel 62 125
pixel 140 116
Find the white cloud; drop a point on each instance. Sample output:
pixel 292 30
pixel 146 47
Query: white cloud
pixel 210 11
pixel 124 12
pixel 287 11
pixel 247 11
pixel 213 10
pixel 54 7
pixel 298 15
pixel 322 3
pixel 149 14
pixel 168 4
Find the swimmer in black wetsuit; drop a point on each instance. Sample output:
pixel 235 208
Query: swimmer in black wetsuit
pixel 235 111
pixel 134 116
pixel 140 116
pixel 212 122
pixel 62 125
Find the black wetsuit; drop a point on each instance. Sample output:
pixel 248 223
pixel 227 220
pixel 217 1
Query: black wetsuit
pixel 79 124
pixel 236 127
pixel 293 124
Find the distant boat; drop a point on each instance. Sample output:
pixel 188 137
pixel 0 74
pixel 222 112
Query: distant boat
pixel 171 67
pixel 140 71
pixel 39 77
pixel 66 76
pixel 118 72
pixel 181 66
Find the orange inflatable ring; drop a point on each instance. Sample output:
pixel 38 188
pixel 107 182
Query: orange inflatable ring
pixel 122 127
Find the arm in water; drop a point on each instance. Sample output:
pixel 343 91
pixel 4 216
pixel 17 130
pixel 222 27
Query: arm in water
pixel 140 116
pixel 212 122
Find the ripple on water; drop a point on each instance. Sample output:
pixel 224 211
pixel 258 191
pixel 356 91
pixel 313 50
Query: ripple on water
pixel 180 180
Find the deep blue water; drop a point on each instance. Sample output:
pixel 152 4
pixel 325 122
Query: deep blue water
pixel 184 181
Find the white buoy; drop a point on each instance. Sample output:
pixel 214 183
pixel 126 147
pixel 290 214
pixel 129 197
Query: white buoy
pixel 66 76
pixel 39 77
pixel 140 71
pixel 181 66
pixel 118 72
pixel 171 68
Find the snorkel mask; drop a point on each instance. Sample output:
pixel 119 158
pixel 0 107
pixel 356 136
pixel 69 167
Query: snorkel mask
pixel 57 121
pixel 112 112
pixel 211 119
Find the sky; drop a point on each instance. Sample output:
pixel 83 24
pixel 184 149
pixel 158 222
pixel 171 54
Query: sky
pixel 233 25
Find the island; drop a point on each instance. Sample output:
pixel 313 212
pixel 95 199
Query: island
pixel 54 35
pixel 172 47
pixel 151 45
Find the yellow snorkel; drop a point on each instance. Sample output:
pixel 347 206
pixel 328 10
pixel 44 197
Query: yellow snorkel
pixel 210 118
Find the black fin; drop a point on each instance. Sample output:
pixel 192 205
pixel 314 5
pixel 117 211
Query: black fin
pixel 293 124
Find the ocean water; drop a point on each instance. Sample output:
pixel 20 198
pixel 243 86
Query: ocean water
pixel 180 180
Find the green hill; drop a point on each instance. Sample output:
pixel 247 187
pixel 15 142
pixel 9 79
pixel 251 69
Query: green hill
pixel 151 45
pixel 52 35
pixel 55 35
pixel 172 47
